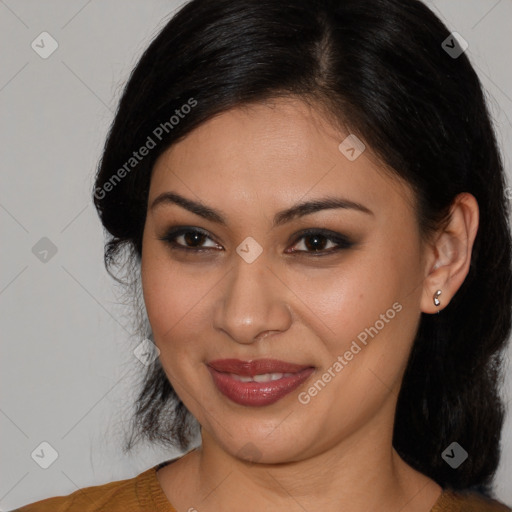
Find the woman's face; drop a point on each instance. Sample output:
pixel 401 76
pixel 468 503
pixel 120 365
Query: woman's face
pixel 335 310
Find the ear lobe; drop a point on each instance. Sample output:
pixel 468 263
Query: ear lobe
pixel 452 254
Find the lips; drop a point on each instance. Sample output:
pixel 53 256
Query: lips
pixel 257 383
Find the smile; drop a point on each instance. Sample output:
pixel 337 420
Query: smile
pixel 257 383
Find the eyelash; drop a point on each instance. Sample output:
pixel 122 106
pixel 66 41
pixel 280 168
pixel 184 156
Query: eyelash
pixel 342 241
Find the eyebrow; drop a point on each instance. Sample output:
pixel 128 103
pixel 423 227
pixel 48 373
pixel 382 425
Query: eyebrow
pixel 282 217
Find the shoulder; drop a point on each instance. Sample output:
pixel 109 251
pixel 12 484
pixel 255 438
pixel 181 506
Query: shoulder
pixel 467 501
pixel 120 496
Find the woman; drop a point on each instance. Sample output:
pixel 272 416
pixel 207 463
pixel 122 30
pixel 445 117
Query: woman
pixel 313 198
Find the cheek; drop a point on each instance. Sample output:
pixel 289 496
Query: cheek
pixel 369 320
pixel 169 297
pixel 177 298
pixel 349 296
pixel 372 301
pixel 164 288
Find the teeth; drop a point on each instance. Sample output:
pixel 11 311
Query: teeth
pixel 264 377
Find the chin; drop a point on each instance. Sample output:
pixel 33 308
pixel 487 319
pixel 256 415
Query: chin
pixel 264 444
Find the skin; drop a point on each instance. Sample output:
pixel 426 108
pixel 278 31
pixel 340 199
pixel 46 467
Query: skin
pixel 250 163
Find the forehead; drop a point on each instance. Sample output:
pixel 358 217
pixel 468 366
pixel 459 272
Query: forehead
pixel 269 153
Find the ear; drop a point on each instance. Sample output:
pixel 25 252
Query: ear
pixel 449 254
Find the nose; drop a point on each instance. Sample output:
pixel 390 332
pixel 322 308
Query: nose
pixel 253 302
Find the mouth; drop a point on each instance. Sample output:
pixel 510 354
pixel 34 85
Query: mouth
pixel 257 383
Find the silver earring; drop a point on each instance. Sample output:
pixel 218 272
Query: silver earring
pixel 437 302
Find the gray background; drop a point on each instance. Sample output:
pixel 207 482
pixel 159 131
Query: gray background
pixel 68 372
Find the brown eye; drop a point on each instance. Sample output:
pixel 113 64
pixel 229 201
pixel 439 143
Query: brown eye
pixel 321 242
pixel 193 238
pixel 188 239
pixel 315 242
